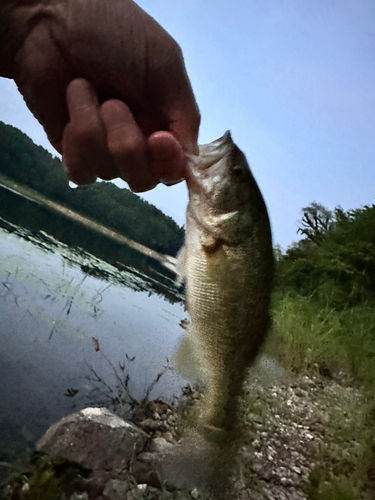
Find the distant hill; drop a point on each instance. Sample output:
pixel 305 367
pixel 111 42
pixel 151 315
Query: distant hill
pixel 116 208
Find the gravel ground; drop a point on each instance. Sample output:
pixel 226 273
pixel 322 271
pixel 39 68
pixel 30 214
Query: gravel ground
pixel 303 433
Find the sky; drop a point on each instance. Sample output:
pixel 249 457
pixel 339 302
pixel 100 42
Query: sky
pixel 294 81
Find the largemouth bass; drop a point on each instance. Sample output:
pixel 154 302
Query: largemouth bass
pixel 227 262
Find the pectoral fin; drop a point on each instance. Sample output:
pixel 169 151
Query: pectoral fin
pixel 210 244
pixel 181 266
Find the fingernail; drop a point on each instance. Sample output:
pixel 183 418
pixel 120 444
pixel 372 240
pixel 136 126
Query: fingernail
pixel 171 183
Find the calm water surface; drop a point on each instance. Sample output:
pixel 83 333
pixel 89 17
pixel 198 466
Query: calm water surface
pixel 49 311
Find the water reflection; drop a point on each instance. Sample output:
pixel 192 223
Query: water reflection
pixel 53 302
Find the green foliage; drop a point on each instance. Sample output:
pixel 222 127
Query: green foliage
pixel 338 488
pixel 49 478
pixel 341 268
pixel 116 208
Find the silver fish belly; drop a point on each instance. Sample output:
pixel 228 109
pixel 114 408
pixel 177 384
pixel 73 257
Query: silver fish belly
pixel 227 262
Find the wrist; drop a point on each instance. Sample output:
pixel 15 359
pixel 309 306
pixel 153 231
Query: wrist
pixel 17 19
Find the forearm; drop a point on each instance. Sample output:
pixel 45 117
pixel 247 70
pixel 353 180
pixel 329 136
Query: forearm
pixel 17 19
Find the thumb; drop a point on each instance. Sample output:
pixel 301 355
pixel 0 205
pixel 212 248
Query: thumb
pixel 167 149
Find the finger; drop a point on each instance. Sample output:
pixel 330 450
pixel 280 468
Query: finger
pixel 127 145
pixel 85 144
pixel 167 160
pixel 75 165
pixel 177 102
pixel 184 125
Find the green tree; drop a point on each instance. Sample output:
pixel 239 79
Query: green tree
pixel 316 221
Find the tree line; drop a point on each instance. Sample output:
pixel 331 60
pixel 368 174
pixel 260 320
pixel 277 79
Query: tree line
pixel 114 207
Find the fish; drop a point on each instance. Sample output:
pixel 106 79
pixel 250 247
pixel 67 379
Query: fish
pixel 227 265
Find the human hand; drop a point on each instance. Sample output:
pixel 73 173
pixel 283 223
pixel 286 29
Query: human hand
pixel 109 86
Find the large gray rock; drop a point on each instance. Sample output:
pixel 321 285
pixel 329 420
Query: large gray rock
pixel 96 439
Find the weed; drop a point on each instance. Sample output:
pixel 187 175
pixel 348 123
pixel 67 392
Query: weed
pixel 338 488
pixel 118 395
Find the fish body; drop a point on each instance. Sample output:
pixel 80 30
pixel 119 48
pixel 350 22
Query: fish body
pixel 227 262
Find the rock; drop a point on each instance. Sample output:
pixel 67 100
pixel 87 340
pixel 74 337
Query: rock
pixel 25 488
pixel 306 383
pixel 159 445
pixel 256 444
pixel 168 436
pixel 146 457
pixel 149 425
pixel 171 420
pixel 116 489
pixel 301 393
pixel 286 481
pixel 324 418
pixel 152 411
pixel 94 438
pixel 81 496
pixel 140 413
pixel 133 495
pixel 296 469
pixel 194 493
pixel 143 470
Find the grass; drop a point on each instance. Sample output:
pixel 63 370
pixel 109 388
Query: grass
pixel 358 335
pixel 306 333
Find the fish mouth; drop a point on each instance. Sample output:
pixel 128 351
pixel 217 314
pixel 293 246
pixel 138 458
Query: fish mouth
pixel 212 153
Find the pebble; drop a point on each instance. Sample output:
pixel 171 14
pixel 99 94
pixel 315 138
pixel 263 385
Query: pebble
pixel 168 436
pixel 159 444
pixel 286 481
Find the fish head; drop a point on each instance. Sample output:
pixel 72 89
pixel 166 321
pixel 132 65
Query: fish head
pixel 223 194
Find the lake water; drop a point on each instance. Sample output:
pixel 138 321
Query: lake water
pixel 50 310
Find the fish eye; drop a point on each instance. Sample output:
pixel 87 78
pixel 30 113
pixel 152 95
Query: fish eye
pixel 238 171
